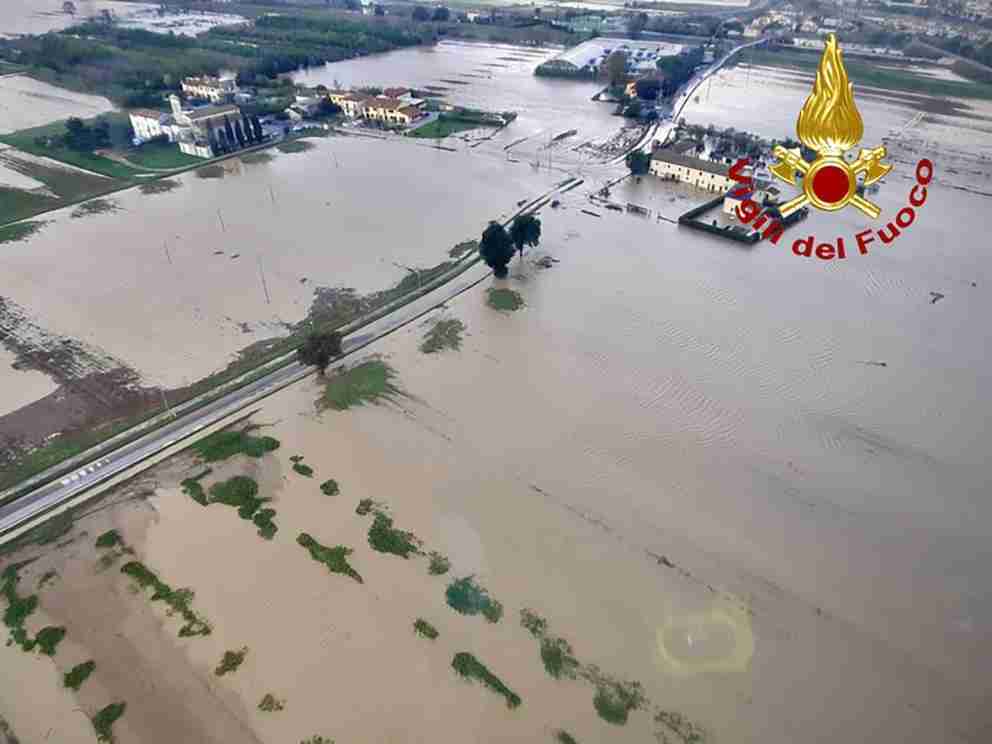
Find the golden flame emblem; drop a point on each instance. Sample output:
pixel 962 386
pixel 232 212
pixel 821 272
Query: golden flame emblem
pixel 829 123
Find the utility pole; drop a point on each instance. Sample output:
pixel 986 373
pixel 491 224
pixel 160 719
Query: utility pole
pixel 272 195
pixel 261 274
pixel 165 403
pixel 219 217
pixel 165 245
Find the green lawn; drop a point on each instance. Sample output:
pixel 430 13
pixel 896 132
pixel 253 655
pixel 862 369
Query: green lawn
pixel 442 127
pixel 864 73
pixel 161 155
pixel 27 141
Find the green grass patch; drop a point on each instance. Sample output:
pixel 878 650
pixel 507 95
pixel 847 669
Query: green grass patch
pixel 442 127
pixel 109 539
pixel 536 625
pixel 271 704
pixel 160 186
pixel 48 639
pixel 866 73
pixel 424 629
pixel 95 206
pixel 462 248
pixel 224 444
pixel 178 600
pixel 468 598
pixel 19 608
pixel 336 558
pixel 368 382
pixel 614 700
pixel 20 231
pixel 680 726
pixel 231 661
pixel 192 487
pixel 445 334
pixel 469 667
pixel 292 146
pixel 558 658
pixel 385 538
pixel 263 520
pixel 241 492
pixel 103 722
pixel 330 487
pixel 504 299
pixel 302 469
pixel 563 737
pixel 160 156
pixel 74 678
pixel 47 578
pixel 438 564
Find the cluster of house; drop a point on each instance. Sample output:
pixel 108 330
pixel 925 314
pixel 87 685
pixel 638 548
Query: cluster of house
pixel 676 164
pixel 590 56
pixel 396 107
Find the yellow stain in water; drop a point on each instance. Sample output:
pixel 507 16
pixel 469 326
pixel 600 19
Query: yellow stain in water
pixel 715 640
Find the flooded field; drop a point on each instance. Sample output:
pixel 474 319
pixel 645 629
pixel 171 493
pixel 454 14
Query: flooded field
pixel 41 16
pixel 754 483
pixel 25 103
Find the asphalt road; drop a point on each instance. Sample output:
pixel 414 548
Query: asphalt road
pixel 185 426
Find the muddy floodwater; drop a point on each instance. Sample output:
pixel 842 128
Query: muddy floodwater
pixel 25 102
pixel 40 16
pixel 759 482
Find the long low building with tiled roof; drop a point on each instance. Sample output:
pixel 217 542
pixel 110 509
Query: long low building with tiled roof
pixel 671 165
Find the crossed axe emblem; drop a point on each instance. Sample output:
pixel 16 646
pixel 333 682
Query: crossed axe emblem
pixel 829 182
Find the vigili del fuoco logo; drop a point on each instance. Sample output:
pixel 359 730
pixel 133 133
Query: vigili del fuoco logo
pixel 830 125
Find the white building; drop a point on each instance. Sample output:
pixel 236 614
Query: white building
pixel 704 174
pixel 148 124
pixel 216 90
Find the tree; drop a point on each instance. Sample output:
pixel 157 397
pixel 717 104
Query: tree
pixel 525 230
pixel 441 14
pixel 319 350
pixel 229 131
pixel 496 248
pixel 327 107
pixel 639 162
pixel 616 68
pixel 421 14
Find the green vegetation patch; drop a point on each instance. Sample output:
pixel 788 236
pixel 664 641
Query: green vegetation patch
pixel 536 625
pixel 336 558
pixel 20 230
pixel 558 658
pixel 18 608
pixel 292 146
pixel 192 487
pixel 103 721
pixel 424 629
pixel 679 726
pixel 438 564
pixel 95 206
pixel 109 539
pixel 468 598
pixel 442 127
pixel 445 334
pixel 364 507
pixel 160 186
pixel 48 639
pixel 224 444
pixel 161 156
pixel 231 661
pixel 330 487
pixel 317 740
pixel 74 678
pixel 178 600
pixel 368 382
pixel 504 299
pixel 271 704
pixel 385 538
pixel 614 700
pixel 469 667
pixel 302 469
pixel 563 737
pixel 241 492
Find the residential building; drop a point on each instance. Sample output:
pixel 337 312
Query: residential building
pixel 704 174
pixel 216 90
pixel 390 111
pixel 148 124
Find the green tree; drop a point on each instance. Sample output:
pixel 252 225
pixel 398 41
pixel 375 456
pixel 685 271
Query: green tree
pixel 496 248
pixel 525 230
pixel 319 349
pixel 639 162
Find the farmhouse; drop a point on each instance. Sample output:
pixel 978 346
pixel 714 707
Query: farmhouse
pixel 670 165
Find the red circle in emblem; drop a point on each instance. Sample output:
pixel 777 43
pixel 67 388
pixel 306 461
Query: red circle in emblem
pixel 830 184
